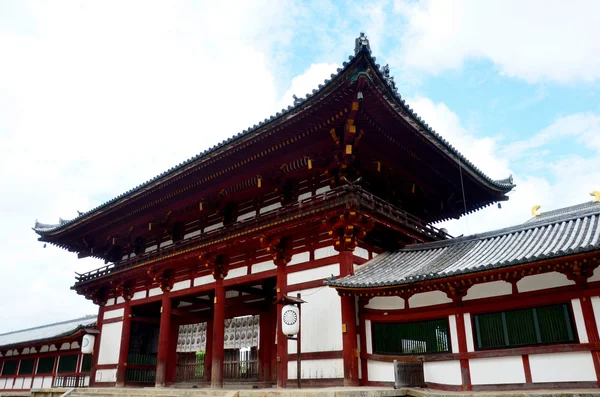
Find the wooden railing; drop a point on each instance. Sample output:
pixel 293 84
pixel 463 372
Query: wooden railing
pixel 189 367
pixel 240 365
pixel 328 200
pixel 70 380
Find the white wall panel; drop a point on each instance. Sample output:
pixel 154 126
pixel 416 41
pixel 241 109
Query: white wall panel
pixel 37 382
pixel 9 383
pixel 543 281
pixel 304 196
pixel 379 371
pixel 443 372
pixel 595 276
pixel 204 280
pixel 361 252
pixel 113 314
pixel 497 370
pixel 488 290
pixel 579 321
pixel 318 273
pixel 18 384
pixel 317 369
pixel 47 382
pixel 386 303
pixel 263 267
pixel 110 342
pixel 596 306
pixel 213 227
pixel 27 383
pixel 469 332
pixel 270 207
pixel 110 302
pixel 237 272
pixel 321 321
pixel 2 383
pixel 562 367
pixel 300 257
pixel 155 291
pixel 325 252
pixel 247 215
pixel 428 299
pixel 139 295
pixel 369 338
pixel 453 333
pixel 119 300
pixel 181 285
pixel 322 190
pixel 106 375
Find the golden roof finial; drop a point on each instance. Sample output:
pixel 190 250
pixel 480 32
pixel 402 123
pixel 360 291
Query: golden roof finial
pixel 535 211
pixel 596 195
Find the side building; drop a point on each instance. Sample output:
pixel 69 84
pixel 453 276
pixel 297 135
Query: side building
pixel 196 257
pixel 516 308
pixel 46 356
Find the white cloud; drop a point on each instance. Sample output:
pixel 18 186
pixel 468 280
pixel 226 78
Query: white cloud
pixel 308 81
pixel 534 40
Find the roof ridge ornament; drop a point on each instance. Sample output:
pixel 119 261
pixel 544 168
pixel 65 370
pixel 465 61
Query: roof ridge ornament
pixel 361 43
pixel 596 195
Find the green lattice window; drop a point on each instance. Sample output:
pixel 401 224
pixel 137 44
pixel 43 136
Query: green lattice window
pixel 86 364
pixel 429 336
pixel 26 367
pixel 46 365
pixel 67 364
pixel 525 327
pixel 9 367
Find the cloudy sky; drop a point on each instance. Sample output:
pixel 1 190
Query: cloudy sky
pixel 97 97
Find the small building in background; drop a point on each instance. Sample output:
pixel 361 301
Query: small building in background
pixel 46 356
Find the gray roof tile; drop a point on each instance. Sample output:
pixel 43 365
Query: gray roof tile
pixel 45 332
pixel 564 232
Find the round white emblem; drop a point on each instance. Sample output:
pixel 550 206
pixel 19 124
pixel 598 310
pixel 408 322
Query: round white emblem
pixel 290 317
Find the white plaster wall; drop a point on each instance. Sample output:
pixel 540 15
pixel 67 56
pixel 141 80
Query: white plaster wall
pixel 270 207
pixel 47 382
pixel 37 382
pixel 113 314
pixel 44 349
pixel 428 299
pixel 2 383
pixel 120 299
pixel 317 369
pixel 543 281
pixel 386 303
pixel 487 290
pixel 379 371
pixel 321 321
pixel 361 252
pixel 325 252
pixel 562 367
pixel 9 383
pixel 368 337
pixel 26 383
pixel 247 215
pixel 300 257
pixel 213 227
pixel 155 291
pixel 579 321
pixel 110 341
pixel 453 333
pixel 204 280
pixel 192 234
pixel 66 345
pixel 318 273
pixel 497 370
pixel 596 307
pixel 263 267
pixel 237 272
pixel 443 372
pixel 110 302
pixel 106 375
pixel 595 276
pixel 469 332
pixel 322 190
pixel 86 381
pixel 139 295
pixel 18 383
pixel 181 285
pixel 304 196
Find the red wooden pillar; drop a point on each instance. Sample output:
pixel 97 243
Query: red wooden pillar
pixel 265 347
pixel 163 340
pixel 592 332
pixel 349 328
pixel 462 348
pixel 363 340
pixel 97 345
pixel 218 347
pixel 282 342
pixel 172 360
pixel 124 349
pixel 208 350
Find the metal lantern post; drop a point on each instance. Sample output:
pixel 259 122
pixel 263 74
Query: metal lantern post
pixel 291 328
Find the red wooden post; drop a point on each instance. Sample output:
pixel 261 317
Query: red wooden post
pixel 282 348
pixel 592 332
pixel 349 329
pixel 208 350
pixel 265 347
pixel 363 341
pixel 96 345
pixel 218 348
pixel 163 340
pixel 462 348
pixel 172 361
pixel 124 349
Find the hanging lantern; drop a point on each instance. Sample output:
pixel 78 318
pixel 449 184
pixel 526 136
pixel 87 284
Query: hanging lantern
pixel 290 320
pixel 87 344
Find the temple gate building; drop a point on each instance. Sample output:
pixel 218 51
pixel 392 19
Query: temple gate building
pixel 333 198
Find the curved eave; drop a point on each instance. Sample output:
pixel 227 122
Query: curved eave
pixel 80 330
pixel 300 105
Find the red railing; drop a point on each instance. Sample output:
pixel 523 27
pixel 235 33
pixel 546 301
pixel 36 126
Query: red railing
pixel 331 199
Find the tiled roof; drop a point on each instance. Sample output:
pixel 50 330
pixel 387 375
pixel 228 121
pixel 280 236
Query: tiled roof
pixel 554 214
pixel 361 48
pixel 573 231
pixel 46 332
